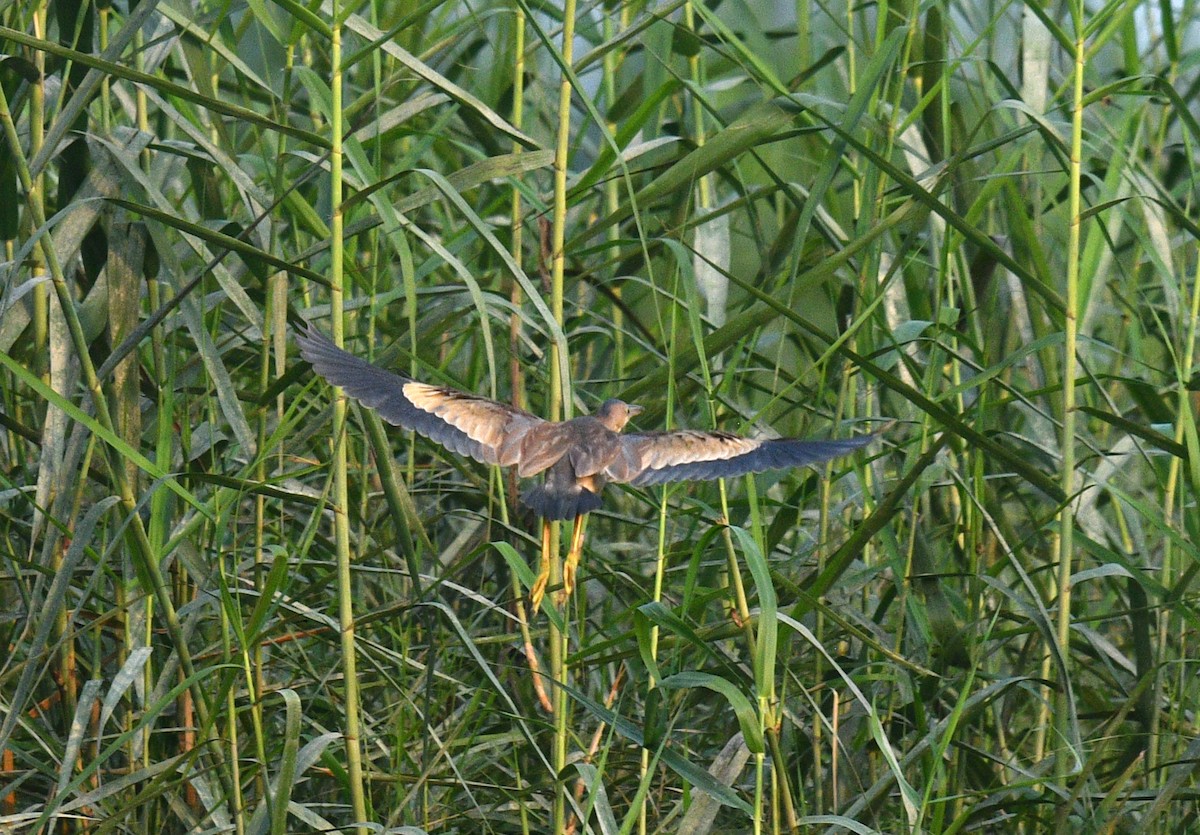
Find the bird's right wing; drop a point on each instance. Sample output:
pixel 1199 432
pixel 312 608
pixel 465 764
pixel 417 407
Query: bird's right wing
pixel 485 430
pixel 691 455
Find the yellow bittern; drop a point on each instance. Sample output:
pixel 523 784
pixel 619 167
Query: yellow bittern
pixel 578 456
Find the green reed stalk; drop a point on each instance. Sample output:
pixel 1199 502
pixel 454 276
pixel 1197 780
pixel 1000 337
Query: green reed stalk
pixel 341 496
pixel 560 407
pixel 1066 520
pixel 516 373
pixel 612 197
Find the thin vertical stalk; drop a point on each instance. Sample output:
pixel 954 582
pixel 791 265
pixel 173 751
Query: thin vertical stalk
pixel 341 493
pixel 274 348
pixel 705 200
pixel 704 203
pixel 273 344
pixel 232 733
pixel 103 19
pixel 1169 572
pixel 36 109
pixel 559 674
pixel 514 334
pixel 42 329
pixel 560 407
pixel 704 196
pixel 515 217
pixel 132 640
pixel 140 545
pixel 1066 521
pixel 743 612
pixel 1034 38
pixel 37 135
pixel 140 102
pixel 515 371
pixel 660 561
pixel 612 198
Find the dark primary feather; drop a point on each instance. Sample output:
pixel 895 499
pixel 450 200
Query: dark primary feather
pixel 703 456
pixel 463 423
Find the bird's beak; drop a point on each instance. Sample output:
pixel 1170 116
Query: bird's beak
pixel 635 410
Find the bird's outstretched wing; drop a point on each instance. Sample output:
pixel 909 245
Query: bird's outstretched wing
pixel 686 455
pixel 485 430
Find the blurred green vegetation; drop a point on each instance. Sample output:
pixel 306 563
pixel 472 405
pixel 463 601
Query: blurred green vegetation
pixel 976 220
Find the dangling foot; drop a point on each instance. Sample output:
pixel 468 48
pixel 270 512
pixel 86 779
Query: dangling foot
pixel 539 590
pixel 572 563
pixel 539 585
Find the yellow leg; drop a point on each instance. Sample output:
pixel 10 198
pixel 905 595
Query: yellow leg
pixel 535 598
pixel 572 563
pixel 539 585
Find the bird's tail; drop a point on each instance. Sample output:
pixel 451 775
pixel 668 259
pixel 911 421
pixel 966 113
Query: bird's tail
pixel 555 501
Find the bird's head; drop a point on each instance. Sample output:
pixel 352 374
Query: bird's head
pixel 614 414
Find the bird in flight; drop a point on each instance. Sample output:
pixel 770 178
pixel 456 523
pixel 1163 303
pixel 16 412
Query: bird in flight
pixel 578 456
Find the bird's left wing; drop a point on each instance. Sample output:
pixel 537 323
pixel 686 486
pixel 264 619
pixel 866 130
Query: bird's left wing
pixel 686 455
pixel 485 430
